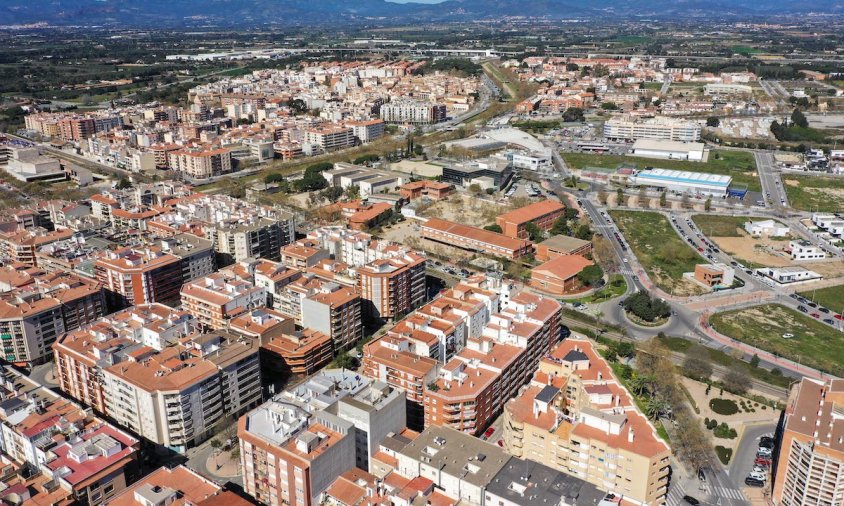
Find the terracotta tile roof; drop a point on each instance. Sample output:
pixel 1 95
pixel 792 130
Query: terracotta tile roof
pixel 476 234
pixel 563 267
pixel 531 212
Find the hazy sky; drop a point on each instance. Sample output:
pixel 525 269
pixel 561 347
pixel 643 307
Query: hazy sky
pixel 416 1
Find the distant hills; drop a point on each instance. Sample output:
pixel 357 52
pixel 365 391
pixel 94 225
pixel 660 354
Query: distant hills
pixel 236 13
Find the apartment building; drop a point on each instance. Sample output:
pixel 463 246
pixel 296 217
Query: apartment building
pixel 238 229
pixel 460 465
pixel 75 457
pixel 661 128
pixel 810 464
pixel 392 286
pixel 543 214
pixel 474 385
pixel 373 407
pixel 325 306
pixel 23 245
pixel 38 307
pixel 201 163
pixel 302 254
pixel 475 239
pixel 139 276
pixel 217 298
pixel 150 370
pixel 368 130
pixel 576 418
pixel 330 137
pixel 290 456
pixel 413 113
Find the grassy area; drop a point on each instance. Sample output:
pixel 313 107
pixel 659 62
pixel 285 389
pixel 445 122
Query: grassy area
pixel 814 344
pixel 722 226
pixel 615 287
pixel 659 249
pixel 718 357
pixel 814 193
pixel 831 297
pixel 653 86
pixel 739 164
pixel 745 50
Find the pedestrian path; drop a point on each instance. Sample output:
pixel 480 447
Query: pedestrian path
pixel 728 493
pixel 675 495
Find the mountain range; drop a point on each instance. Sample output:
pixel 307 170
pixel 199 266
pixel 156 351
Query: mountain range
pixel 234 13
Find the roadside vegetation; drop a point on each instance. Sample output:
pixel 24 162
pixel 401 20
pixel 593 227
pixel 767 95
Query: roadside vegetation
pixel 811 342
pixel 714 225
pixel 814 193
pixel 831 297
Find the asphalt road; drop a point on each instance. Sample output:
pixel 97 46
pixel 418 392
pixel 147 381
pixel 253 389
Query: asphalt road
pixel 745 454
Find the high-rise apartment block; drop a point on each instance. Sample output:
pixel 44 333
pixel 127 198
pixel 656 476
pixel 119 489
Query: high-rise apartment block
pixel 134 276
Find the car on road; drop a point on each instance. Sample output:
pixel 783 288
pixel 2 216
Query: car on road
pixel 700 249
pixel 489 432
pixel 734 263
pixel 815 315
pixel 691 500
pixel 838 316
pixel 829 321
pixel 823 309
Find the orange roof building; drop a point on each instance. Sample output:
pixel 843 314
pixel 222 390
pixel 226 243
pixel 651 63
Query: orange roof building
pixel 575 415
pixel 475 239
pixel 559 275
pixel 543 214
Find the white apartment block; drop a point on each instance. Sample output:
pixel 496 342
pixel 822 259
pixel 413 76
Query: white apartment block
pixel 804 250
pixel 414 113
pixel 201 163
pixel 330 138
pixel 367 131
pixel 655 128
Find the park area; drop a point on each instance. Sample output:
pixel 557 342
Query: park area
pixel 664 256
pixel 812 343
pixel 814 193
pixel 729 234
pixel 739 164
pixel 831 297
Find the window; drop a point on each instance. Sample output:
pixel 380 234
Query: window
pixel 108 489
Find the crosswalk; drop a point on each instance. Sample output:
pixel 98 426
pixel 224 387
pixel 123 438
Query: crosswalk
pixel 728 493
pixel 675 495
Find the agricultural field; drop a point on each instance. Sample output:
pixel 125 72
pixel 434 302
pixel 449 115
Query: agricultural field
pixel 659 249
pixel 739 164
pixel 814 344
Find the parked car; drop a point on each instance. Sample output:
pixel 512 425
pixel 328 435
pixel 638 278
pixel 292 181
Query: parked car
pixel 691 500
pixel 489 432
pixel 802 309
pixel 752 482
pixel 823 309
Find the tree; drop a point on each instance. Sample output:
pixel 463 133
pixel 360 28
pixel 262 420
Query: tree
pixel 685 202
pixel 799 119
pixel 713 121
pixel 619 197
pixel 345 361
pixel 493 228
pixel 609 106
pixel 571 213
pixel 560 226
pixel 697 367
pixel 602 197
pixel 737 380
pixel 331 194
pixel 475 188
pixel 573 114
pixel 534 232
pixel 216 444
pixel 754 361
pixel 663 200
pixel 583 232
pixel 273 177
pixel 642 305
pixel 707 206
pixel 353 192
pixel 123 184
pixel 591 275
pixel 298 106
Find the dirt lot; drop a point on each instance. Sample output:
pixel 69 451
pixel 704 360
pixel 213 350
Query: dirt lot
pixel 752 251
pixel 467 209
pixel 828 270
pixel 408 232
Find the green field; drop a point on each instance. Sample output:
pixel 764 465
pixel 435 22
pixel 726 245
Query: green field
pixel 815 193
pixel 723 226
pixel 831 298
pixel 745 50
pixel 659 249
pixel 616 286
pixel 814 344
pixel 738 164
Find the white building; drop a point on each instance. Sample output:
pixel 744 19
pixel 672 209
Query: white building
pixel 833 224
pixel 804 250
pixel 788 275
pixel 766 228
pixel 530 161
pixel 694 183
pixel 414 113
pixel 661 128
pixel 330 138
pixel 28 165
pixel 367 131
pixel 669 150
pixel 727 89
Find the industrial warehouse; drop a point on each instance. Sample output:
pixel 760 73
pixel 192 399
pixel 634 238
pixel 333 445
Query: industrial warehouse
pixel 693 183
